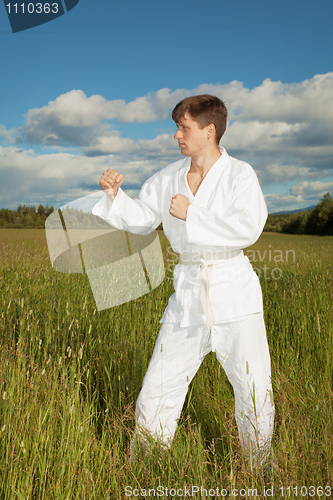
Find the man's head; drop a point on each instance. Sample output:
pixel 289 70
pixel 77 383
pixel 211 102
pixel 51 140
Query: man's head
pixel 204 109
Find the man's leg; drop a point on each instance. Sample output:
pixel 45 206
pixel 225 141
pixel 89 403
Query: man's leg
pixel 177 356
pixel 242 349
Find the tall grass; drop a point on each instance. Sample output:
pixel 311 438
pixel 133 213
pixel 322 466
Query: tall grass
pixel 70 375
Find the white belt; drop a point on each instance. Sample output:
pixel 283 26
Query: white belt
pixel 205 262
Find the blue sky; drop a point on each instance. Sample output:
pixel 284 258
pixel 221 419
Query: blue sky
pixel 94 89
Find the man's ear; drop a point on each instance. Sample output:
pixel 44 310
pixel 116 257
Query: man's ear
pixel 211 130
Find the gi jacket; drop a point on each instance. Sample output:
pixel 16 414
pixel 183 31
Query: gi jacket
pixel 226 215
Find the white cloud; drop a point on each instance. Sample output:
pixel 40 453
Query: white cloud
pixel 259 136
pixel 307 101
pixel 75 109
pixel 282 119
pixel 312 189
pixel 8 135
pixel 162 147
pixel 58 178
pixel 301 195
pixel 74 118
pixel 283 129
pixel 278 174
pixel 278 202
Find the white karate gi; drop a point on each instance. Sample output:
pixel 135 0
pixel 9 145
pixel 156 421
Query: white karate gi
pixel 217 304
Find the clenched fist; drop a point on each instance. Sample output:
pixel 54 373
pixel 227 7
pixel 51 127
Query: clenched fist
pixel 110 182
pixel 179 206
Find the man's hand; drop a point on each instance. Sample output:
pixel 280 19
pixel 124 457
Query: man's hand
pixel 179 206
pixel 110 182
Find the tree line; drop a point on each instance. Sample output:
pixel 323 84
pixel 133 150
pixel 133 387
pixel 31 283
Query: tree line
pixel 25 216
pixel 318 221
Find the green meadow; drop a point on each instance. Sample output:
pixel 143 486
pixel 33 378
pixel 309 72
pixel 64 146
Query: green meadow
pixel 70 376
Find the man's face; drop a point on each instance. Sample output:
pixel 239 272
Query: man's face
pixel 191 138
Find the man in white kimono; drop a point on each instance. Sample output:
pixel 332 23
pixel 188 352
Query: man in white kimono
pixel 211 207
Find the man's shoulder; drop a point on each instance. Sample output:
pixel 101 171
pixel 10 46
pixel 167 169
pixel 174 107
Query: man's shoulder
pixel 171 168
pixel 165 174
pixel 239 167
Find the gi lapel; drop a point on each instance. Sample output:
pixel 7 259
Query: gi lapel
pixel 183 185
pixel 211 179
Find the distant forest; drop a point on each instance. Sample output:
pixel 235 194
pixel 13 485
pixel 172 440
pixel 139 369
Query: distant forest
pixel 316 221
pixel 25 216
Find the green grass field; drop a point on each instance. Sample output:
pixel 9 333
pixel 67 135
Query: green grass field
pixel 70 376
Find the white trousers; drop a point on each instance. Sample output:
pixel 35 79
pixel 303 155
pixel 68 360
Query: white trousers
pixel 241 348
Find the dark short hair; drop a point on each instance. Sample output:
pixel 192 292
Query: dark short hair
pixel 204 109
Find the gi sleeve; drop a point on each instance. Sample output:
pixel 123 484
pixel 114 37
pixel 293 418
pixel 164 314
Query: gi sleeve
pixel 239 227
pixel 140 216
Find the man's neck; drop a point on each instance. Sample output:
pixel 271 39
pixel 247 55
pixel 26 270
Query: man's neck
pixel 203 162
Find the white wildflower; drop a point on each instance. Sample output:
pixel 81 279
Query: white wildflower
pixel 23 447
